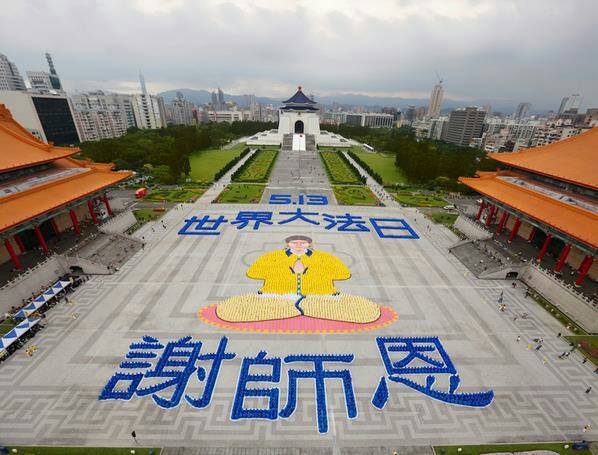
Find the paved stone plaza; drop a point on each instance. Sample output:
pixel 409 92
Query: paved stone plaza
pixel 52 397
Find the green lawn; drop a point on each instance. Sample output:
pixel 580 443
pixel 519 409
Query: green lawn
pixel 240 193
pixel 420 200
pixel 205 163
pixel 448 219
pixel 589 346
pixel 354 195
pixel 383 164
pixel 339 171
pixel 558 447
pixel 175 195
pixel 258 170
pixel 32 450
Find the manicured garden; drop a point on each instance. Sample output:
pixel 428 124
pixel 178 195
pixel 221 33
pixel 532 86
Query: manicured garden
pixel 383 164
pixel 339 170
pixel 241 193
pixel 182 195
pixel 34 450
pixel 447 219
pixel 257 168
pixel 354 195
pixel 206 163
pixel 558 447
pixel 416 199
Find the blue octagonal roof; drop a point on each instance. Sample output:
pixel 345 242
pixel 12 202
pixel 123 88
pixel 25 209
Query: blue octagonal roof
pixel 299 98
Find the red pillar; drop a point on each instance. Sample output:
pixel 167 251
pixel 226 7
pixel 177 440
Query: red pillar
pixel 532 234
pixel 515 229
pixel 54 226
pixel 92 212
pixel 40 238
pixel 501 223
pixel 544 247
pixel 19 243
pixel 562 258
pixel 584 268
pixel 481 210
pixel 75 221
pixel 13 255
pixel 490 215
pixel 108 209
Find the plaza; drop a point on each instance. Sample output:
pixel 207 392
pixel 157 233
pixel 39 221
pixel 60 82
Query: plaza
pixel 52 397
pixel 430 354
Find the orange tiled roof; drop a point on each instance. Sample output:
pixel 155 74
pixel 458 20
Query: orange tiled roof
pixel 574 221
pixel 574 160
pixel 25 205
pixel 19 148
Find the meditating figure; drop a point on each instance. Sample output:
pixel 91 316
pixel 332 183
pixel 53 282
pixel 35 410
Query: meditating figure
pixel 298 280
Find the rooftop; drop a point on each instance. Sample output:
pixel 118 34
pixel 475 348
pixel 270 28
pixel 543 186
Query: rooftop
pixel 574 160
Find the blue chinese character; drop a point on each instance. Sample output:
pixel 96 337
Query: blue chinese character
pixel 217 358
pixel 244 218
pixel 319 375
pixel 346 221
pixel 299 215
pixel 141 351
pixel 397 224
pixel 270 413
pixel 176 363
pixel 422 356
pixel 203 226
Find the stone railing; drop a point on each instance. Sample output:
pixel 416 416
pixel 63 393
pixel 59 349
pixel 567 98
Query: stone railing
pixel 471 229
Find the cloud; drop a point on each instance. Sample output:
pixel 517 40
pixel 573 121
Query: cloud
pixel 532 50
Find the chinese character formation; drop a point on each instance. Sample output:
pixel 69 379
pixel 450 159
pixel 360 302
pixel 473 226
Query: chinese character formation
pixel 298 281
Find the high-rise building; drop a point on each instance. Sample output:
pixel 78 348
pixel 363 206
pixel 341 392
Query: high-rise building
pixel 10 78
pixel 102 116
pixel 570 103
pixel 435 101
pixel 47 116
pixel 44 82
pixel 214 101
pixel 149 110
pixel 180 111
pixel 410 114
pixel 54 79
pixel 40 81
pixel 464 125
pixel 522 110
pixel 220 99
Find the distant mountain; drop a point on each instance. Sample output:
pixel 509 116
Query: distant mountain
pixel 347 99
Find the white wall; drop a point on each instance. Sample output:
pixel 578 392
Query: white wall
pixel 470 229
pixel 311 122
pixel 565 299
pixel 23 111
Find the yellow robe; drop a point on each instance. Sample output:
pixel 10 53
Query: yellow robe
pixel 276 269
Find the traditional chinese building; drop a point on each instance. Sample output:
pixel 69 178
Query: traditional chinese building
pixel 549 196
pixel 45 191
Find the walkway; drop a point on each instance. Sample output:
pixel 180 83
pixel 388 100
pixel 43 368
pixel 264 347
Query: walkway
pixel 298 173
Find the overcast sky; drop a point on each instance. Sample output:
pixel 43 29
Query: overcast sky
pixel 526 50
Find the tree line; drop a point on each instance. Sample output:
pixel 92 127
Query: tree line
pixel 165 152
pixel 423 161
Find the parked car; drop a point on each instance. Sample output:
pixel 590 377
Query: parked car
pixel 450 207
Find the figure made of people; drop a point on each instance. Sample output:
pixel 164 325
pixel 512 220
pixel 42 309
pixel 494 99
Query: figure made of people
pixel 298 281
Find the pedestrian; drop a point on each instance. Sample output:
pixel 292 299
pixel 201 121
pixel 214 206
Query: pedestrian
pixel 562 355
pixel 567 354
pixel 585 359
pixel 558 335
pixel 134 436
pixel 518 338
pixel 589 389
pixel 538 347
pixel 544 360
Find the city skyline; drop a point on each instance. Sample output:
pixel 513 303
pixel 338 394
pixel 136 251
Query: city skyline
pixel 525 59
